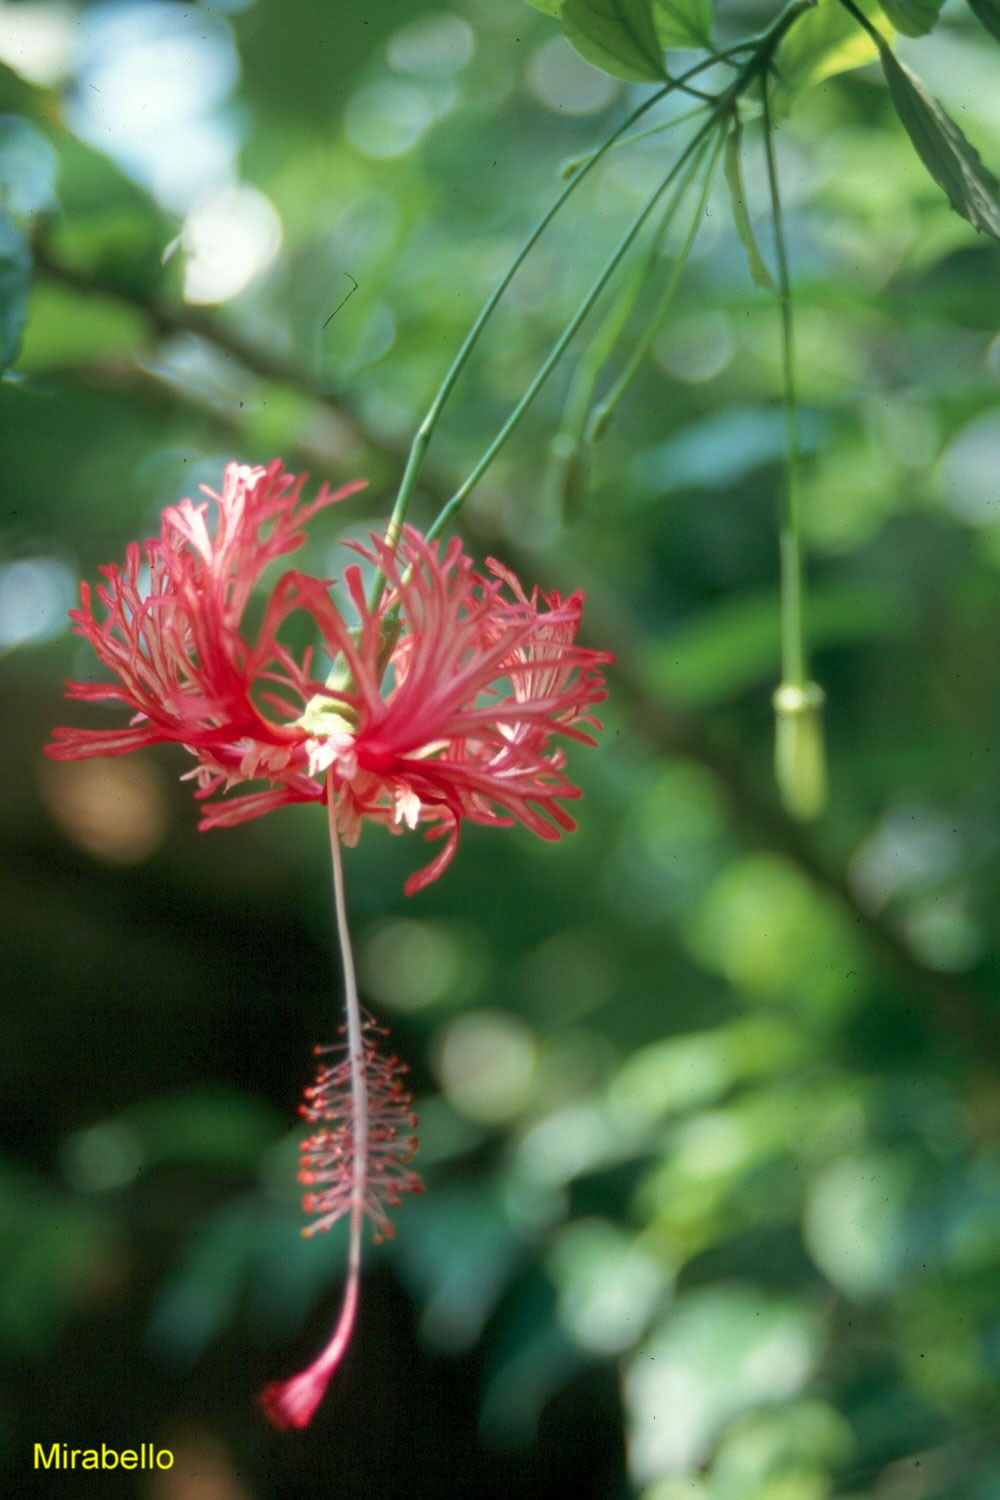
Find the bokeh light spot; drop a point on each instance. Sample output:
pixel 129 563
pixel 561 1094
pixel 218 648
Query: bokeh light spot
pixel 696 348
pixel 151 80
pixel 37 41
pixel 485 1063
pixel 560 79
pixel 608 1285
pixel 409 965
pixel 388 119
pixel 113 809
pixel 436 46
pixel 102 1158
pixel 35 594
pixel 229 238
pixel 970 471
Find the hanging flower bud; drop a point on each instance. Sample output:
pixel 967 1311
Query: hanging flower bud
pixel 799 751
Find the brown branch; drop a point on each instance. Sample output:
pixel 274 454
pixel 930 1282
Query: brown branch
pixel 957 1008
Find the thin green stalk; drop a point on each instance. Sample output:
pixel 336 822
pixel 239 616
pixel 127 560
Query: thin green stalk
pixel 764 47
pixel 865 24
pixel 757 64
pixel 574 163
pixel 568 440
pixel 793 650
pixel 562 343
pixel 799 753
pixel 425 431
pixel 603 412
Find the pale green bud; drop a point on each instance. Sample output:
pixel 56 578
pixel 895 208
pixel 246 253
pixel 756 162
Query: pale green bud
pixel 799 752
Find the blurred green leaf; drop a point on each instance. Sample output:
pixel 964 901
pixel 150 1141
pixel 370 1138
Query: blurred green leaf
pixel 220 1128
pixel 52 1248
pixel 683 23
pixel 770 931
pixel 988 13
pixel 759 274
pixel 689 1072
pixel 208 1283
pixel 459 1261
pixel 719 1353
pixel 550 7
pixel 609 1285
pixel 912 17
pixel 108 224
pixel 782 1452
pixel 68 328
pixel 854 1218
pixel 954 164
pixel 522 1378
pixel 18 97
pixel 823 42
pixel 616 35
pixel 734 645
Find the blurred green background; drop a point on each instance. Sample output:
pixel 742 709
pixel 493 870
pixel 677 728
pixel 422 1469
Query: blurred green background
pixel 710 1103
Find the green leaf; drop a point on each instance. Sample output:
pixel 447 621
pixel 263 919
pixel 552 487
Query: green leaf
pixel 550 7
pixel 987 12
pixel 69 327
pixel 759 274
pixel 825 41
pixel 683 23
pixel 616 35
pixel 954 164
pixel 15 283
pixel 912 17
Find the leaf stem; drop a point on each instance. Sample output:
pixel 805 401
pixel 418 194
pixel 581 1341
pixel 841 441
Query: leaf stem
pixel 425 431
pixel 562 343
pixel 865 24
pixel 793 650
pixel 564 450
pixel 575 163
pixel 605 409
pixel 756 65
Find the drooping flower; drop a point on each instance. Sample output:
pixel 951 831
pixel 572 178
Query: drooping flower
pixel 441 705
pixel 446 700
